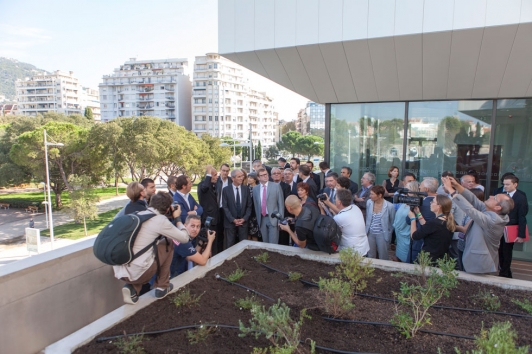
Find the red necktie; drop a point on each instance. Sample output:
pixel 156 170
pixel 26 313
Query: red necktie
pixel 263 202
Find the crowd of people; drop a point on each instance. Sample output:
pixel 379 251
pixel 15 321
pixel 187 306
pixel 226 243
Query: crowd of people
pixel 450 218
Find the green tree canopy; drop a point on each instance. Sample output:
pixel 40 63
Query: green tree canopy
pixel 88 114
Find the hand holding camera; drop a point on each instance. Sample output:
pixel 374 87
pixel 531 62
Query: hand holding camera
pixel 211 235
pixel 176 210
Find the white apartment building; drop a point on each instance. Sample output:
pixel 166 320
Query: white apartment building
pixel 91 98
pixel 57 92
pixel 223 104
pixel 159 88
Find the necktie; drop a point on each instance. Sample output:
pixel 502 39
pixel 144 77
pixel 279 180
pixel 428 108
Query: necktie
pixel 263 201
pixel 238 204
pixel 332 196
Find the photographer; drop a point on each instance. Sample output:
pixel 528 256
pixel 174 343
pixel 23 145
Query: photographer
pixel 188 251
pixel 401 225
pixel 306 217
pixel 144 267
pixel 436 233
pixel 351 221
pixel 483 236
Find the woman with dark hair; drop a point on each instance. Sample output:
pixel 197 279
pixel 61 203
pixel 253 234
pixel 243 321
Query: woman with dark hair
pixel 436 233
pixel 253 227
pixel 392 184
pixel 303 190
pixel 379 223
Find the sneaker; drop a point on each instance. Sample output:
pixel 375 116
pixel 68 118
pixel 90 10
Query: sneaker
pixel 162 293
pixel 130 294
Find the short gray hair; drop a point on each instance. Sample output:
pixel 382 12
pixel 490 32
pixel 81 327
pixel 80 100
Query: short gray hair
pixel 412 186
pixel 371 177
pixel 506 204
pixel 276 169
pixel 431 184
pixel 234 172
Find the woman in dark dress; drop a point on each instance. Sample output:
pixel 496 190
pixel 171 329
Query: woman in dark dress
pixel 436 233
pixel 253 230
pixel 392 184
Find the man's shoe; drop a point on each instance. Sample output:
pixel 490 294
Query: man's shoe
pixel 130 294
pixel 162 293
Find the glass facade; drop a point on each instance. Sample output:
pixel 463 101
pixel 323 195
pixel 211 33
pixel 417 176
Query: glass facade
pixel 429 137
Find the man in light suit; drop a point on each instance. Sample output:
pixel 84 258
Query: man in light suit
pixel 366 182
pixel 517 217
pixel 483 234
pixel 268 199
pixel 189 206
pixel 237 209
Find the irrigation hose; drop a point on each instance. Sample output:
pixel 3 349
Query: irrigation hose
pixel 308 283
pixel 245 287
pixel 104 339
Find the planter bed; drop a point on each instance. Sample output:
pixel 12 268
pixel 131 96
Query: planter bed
pixel 217 307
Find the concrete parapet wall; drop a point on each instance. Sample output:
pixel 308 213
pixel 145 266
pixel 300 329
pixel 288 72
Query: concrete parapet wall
pixel 49 296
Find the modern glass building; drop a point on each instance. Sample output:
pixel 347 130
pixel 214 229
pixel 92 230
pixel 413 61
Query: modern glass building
pixel 425 85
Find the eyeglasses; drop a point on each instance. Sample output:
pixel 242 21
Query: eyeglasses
pixel 263 175
pixel 276 173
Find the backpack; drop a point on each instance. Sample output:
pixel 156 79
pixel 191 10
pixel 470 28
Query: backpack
pixel 114 244
pixel 327 234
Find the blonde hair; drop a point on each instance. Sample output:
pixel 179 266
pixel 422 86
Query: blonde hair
pixel 446 204
pixel 133 191
pixel 245 180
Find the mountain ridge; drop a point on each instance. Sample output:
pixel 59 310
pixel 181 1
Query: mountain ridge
pixel 11 70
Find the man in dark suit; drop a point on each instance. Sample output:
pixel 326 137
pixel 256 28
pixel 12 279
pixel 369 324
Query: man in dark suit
pixel 237 209
pixel 283 164
pixel 207 196
pixel 294 166
pixel 366 182
pixel 517 217
pixel 330 190
pixel 346 172
pixel 500 189
pixel 325 170
pixel 314 176
pixel 277 176
pixel 223 181
pixel 288 176
pixel 189 206
pixel 304 174
pixel 257 164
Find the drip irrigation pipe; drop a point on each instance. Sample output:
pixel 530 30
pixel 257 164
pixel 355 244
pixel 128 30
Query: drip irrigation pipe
pixel 391 325
pixel 245 287
pixel 305 282
pixel 105 339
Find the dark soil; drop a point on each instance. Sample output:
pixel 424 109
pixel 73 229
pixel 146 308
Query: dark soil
pixel 217 307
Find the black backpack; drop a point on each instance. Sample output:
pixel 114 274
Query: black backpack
pixel 114 244
pixel 327 234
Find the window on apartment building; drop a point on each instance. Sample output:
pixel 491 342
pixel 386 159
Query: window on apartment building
pixel 210 118
pixel 210 66
pixel 162 87
pixel 215 118
pixel 215 66
pixel 210 100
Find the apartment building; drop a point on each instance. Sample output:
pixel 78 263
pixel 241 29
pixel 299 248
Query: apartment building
pixel 56 92
pixel 303 122
pixel 223 104
pixel 316 113
pixel 91 98
pixel 8 109
pixel 159 88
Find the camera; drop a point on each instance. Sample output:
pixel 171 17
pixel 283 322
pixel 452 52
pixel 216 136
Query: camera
pixel 208 222
pixel 202 238
pixel 282 221
pixel 402 197
pixel 322 196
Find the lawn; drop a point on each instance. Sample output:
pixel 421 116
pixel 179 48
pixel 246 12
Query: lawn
pixel 75 231
pixel 22 200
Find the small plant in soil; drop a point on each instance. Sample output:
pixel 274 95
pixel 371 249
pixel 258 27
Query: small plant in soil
pixel 500 339
pixel 279 328
pixel 262 258
pixel 525 305
pixel 237 274
pixel 247 303
pixel 488 301
pixel 354 268
pixel 417 298
pixel 200 334
pixel 185 298
pixel 130 344
pixel 338 297
pixel 294 276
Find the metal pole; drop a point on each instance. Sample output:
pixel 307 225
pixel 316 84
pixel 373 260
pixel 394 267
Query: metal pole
pixel 45 205
pixel 349 147
pixel 49 197
pixel 234 155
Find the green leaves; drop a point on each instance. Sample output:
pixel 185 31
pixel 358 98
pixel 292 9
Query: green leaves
pixel 307 145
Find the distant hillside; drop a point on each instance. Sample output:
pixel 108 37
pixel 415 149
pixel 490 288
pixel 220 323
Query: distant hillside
pixel 10 70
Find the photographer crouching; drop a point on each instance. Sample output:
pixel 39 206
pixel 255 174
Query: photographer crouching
pixel 197 249
pixel 305 218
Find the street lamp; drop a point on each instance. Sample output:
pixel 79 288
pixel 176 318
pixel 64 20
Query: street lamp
pixel 234 152
pixel 46 144
pixel 45 202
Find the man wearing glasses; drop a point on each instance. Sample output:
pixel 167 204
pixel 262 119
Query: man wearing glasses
pixel 482 235
pixel 268 199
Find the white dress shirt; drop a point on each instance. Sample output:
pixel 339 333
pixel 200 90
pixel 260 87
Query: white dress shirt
pixel 351 221
pixel 224 184
pixel 185 197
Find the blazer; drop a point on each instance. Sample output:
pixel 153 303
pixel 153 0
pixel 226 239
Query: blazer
pixel 285 188
pixel 293 190
pixel 184 207
pixel 313 192
pixel 208 200
pixel 327 191
pixel 229 205
pixel 481 252
pixel 518 214
pixel 274 201
pixel 219 187
pixel 386 219
pixel 353 187
pixel 365 195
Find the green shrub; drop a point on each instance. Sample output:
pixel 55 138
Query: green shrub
pixel 488 301
pixel 263 257
pixel 500 339
pixel 247 303
pixel 354 268
pixel 200 334
pixel 525 305
pixel 294 276
pixel 130 344
pixel 416 299
pixel 338 297
pixel 237 274
pixel 185 298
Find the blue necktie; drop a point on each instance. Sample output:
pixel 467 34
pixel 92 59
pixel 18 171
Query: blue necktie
pixel 238 204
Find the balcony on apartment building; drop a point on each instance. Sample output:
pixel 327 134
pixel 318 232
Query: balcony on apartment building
pixel 145 107
pixel 145 98
pixel 169 105
pixel 170 98
pixel 145 89
pixel 147 113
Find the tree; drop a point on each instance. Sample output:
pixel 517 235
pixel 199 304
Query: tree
pixel 219 154
pixel 83 200
pixel 288 142
pixel 288 127
pixel 310 145
pixel 272 152
pixel 88 114
pixel 258 152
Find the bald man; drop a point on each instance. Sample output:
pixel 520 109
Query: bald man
pixel 305 218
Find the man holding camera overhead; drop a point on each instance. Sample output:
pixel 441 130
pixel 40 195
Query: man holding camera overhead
pixel 236 203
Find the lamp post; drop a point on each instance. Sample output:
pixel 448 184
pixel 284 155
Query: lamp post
pixel 45 202
pixel 234 152
pixel 46 144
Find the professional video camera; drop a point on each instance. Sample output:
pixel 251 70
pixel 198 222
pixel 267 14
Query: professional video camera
pixel 402 197
pixel 202 236
pixel 282 221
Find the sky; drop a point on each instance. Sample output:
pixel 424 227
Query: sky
pixel 91 38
